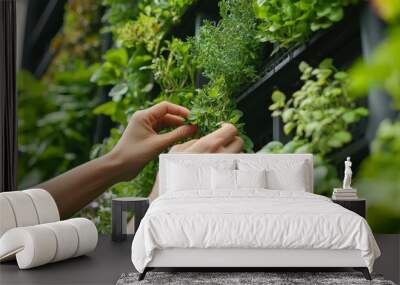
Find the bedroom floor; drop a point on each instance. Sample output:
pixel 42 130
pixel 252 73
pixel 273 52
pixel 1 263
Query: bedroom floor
pixel 389 262
pixel 106 264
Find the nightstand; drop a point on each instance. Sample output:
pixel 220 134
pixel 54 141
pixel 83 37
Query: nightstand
pixel 358 206
pixel 120 206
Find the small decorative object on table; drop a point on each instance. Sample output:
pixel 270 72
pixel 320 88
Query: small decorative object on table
pixel 120 207
pixel 347 196
pixel 345 193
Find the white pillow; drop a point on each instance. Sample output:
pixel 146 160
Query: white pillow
pixel 293 180
pixel 282 174
pixel 223 179
pixel 189 176
pixel 251 178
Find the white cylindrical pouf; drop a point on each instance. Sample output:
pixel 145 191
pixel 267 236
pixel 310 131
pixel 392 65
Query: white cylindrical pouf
pixel 23 208
pixel 67 239
pixel 87 235
pixel 34 245
pixel 7 217
pixel 40 244
pixel 45 205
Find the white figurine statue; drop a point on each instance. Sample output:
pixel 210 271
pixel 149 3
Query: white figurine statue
pixel 347 174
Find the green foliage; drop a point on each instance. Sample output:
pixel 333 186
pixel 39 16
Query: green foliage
pixel 211 107
pixel 118 12
pixel 229 48
pixel 142 61
pixel 378 179
pixel 78 38
pixel 389 10
pixel 151 25
pixel 132 83
pixel 175 72
pixel 382 69
pixel 51 140
pixel 55 117
pixel 321 111
pixel 285 23
pixel 318 116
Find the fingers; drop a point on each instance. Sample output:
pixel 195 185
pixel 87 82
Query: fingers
pixel 168 121
pixel 175 135
pixel 213 142
pixel 182 148
pixel 235 146
pixel 159 110
pixel 224 135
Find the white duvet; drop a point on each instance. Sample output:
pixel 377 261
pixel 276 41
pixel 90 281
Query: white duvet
pixel 250 219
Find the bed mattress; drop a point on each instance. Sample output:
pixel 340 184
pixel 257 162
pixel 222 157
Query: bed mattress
pixel 250 219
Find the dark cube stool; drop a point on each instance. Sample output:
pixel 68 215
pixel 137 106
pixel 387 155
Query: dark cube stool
pixel 120 206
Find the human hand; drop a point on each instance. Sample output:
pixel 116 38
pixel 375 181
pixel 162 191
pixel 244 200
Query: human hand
pixel 223 140
pixel 141 141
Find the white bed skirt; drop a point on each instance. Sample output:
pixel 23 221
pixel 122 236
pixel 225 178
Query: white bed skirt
pixel 235 257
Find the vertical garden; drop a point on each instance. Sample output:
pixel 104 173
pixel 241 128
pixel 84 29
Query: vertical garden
pixel 289 74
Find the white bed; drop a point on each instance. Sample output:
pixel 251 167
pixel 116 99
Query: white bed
pixel 280 225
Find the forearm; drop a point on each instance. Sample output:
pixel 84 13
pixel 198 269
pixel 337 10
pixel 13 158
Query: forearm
pixel 76 188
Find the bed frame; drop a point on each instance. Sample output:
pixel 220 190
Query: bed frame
pixel 249 259
pixel 242 259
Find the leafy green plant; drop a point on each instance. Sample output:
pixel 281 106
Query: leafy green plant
pixel 55 111
pixel 378 178
pixel 389 10
pixel 142 60
pixel 212 106
pixel 151 25
pixel 382 69
pixel 286 23
pixel 321 111
pixel 79 37
pixel 118 12
pixel 318 117
pixel 175 70
pixel 228 48
pixel 132 83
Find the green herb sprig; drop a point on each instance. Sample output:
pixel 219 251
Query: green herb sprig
pixel 229 48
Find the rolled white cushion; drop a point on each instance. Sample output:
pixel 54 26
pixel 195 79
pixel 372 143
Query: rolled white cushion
pixel 7 218
pixel 45 205
pixel 251 178
pixel 87 235
pixel 33 246
pixel 23 208
pixel 66 238
pixel 41 244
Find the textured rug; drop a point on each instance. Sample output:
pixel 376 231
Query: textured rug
pixel 243 278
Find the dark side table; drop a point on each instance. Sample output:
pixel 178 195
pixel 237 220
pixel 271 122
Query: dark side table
pixel 120 207
pixel 358 206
